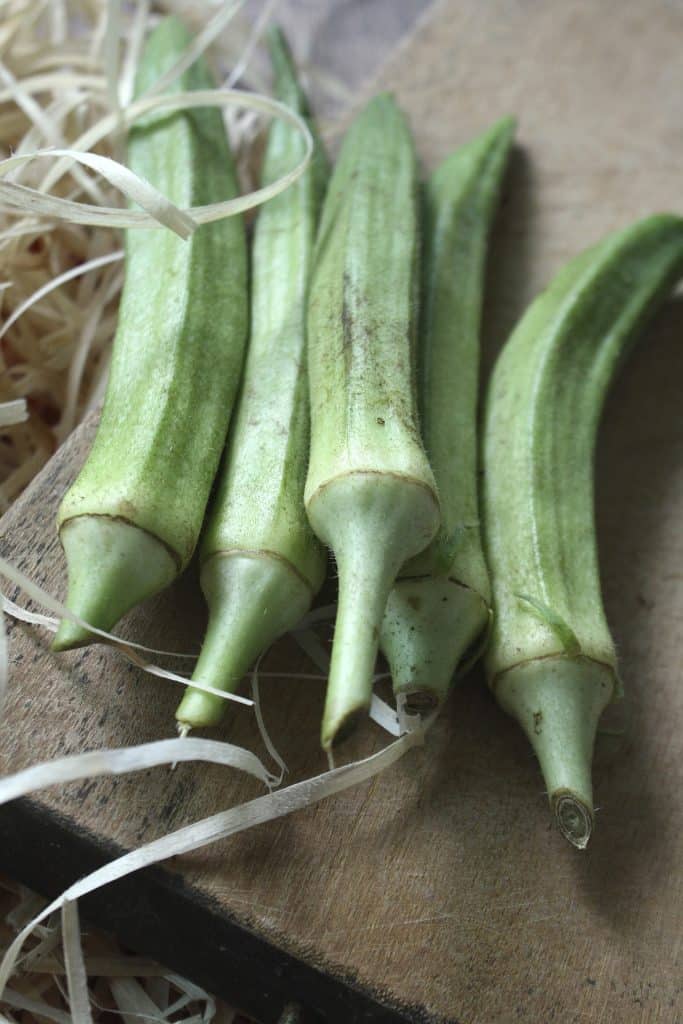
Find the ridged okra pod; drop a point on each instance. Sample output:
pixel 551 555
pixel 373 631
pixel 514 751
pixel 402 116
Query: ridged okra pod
pixel 552 662
pixel 439 609
pixel 261 563
pixel 370 493
pixel 131 520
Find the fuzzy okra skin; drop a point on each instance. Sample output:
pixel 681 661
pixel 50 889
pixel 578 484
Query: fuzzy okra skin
pixel 552 662
pixel 440 605
pixel 370 493
pixel 130 521
pixel 261 563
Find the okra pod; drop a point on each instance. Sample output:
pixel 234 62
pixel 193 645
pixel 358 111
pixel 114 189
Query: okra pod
pixel 552 662
pixel 131 520
pixel 439 608
pixel 261 563
pixel 370 493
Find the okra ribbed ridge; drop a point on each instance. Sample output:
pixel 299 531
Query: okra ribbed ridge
pixel 175 367
pixel 552 662
pixel 370 493
pixel 261 563
pixel 439 608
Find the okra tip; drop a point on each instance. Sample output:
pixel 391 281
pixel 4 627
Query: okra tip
pixel 489 148
pixel 279 52
pixel 505 127
pixel 497 138
pixel 500 137
pixel 284 69
pixel 574 819
pixel 558 701
pixel 429 626
pixel 254 597
pixel 338 730
pixel 112 566
pixel 373 522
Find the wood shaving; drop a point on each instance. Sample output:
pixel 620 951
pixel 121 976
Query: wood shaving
pixel 38 992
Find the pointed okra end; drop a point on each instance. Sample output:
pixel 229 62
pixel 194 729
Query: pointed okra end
pixel 287 86
pixel 254 597
pixel 498 141
pixel 365 578
pixel 429 626
pixel 112 566
pixel 373 522
pixel 486 154
pixel 165 43
pixel 283 137
pixel 558 702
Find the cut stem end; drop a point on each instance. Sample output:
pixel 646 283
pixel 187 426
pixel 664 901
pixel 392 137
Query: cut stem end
pixel 429 625
pixel 417 702
pixel 558 702
pixel 574 819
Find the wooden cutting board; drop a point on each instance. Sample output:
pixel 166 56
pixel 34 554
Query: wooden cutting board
pixel 440 891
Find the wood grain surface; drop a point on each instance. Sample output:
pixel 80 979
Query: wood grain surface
pixel 440 891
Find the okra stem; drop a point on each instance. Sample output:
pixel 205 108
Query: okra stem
pixel 372 518
pixel 132 564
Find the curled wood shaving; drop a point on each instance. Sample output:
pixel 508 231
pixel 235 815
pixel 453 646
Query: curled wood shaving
pixel 220 826
pixel 96 763
pixel 76 978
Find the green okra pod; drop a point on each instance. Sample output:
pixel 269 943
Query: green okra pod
pixel 130 521
pixel 440 605
pixel 261 563
pixel 552 662
pixel 370 493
